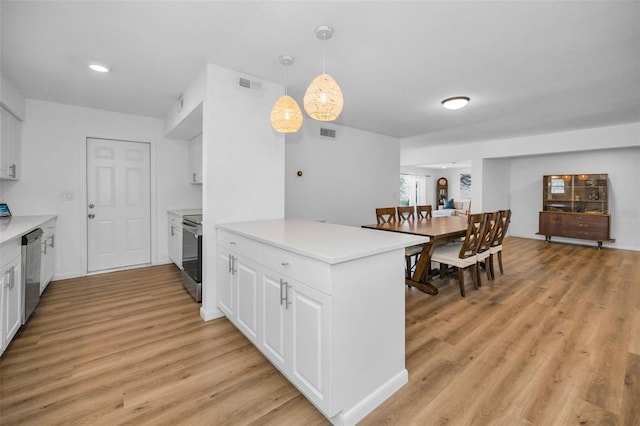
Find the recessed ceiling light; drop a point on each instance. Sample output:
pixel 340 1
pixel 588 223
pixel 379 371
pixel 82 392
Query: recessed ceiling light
pixel 456 102
pixel 99 68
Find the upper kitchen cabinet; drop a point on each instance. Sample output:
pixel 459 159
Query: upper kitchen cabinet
pixel 195 160
pixel 10 133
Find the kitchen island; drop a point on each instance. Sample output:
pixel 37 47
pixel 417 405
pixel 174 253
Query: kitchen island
pixel 324 303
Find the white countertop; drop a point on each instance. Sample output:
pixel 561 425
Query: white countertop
pixel 326 242
pixel 17 226
pixel 183 212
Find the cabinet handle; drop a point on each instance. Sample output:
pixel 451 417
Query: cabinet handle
pixel 284 263
pixel 286 291
pixel 53 240
pixel 194 176
pixel 172 231
pixel 7 278
pixel 232 243
pixel 230 268
pixel 234 263
pixel 13 277
pixel 283 283
pixel 13 170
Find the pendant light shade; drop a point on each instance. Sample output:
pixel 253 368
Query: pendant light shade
pixel 286 116
pixel 323 100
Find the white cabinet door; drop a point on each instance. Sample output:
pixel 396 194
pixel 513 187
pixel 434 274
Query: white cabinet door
pixel 310 312
pixel 273 319
pixel 195 159
pixel 10 128
pixel 48 252
pixel 175 239
pixel 295 321
pixel 226 282
pixel 246 315
pixel 12 299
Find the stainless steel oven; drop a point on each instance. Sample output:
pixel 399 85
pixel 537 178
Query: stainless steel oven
pixel 192 255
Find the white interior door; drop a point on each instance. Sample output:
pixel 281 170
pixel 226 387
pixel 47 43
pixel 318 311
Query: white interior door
pixel 118 204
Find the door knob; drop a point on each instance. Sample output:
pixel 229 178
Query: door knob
pixel 91 206
pixel 91 215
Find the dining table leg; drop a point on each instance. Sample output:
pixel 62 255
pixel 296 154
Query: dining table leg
pixel 420 277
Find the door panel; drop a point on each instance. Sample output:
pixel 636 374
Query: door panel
pixel 119 204
pixel 273 321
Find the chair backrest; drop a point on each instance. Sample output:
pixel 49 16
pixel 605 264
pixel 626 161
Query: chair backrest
pixel 405 213
pixel 493 224
pixel 505 219
pixel 424 212
pixel 386 215
pixel 476 229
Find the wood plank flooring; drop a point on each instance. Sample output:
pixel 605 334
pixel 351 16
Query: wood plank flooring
pixel 555 340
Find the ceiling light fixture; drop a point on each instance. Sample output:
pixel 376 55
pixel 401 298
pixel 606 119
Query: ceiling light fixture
pixel 99 68
pixel 323 100
pixel 286 116
pixel 456 102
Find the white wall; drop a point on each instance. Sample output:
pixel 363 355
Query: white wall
pixel 621 164
pixel 508 172
pixel 11 98
pixel 344 179
pixel 243 164
pixel 53 162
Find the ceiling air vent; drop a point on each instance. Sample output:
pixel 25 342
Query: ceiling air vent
pixel 245 83
pixel 327 133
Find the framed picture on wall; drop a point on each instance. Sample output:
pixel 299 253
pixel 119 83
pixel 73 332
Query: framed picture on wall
pixel 465 185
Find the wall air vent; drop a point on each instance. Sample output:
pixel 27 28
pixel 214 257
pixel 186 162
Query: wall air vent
pixel 245 83
pixel 327 133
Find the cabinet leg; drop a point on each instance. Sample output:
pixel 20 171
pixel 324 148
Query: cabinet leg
pixel 599 245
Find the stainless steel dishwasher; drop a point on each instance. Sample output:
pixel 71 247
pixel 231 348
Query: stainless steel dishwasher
pixel 30 272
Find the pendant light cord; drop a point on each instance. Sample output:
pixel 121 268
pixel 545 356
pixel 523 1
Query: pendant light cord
pixel 324 39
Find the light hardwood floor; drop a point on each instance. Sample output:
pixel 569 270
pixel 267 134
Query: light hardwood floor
pixel 555 340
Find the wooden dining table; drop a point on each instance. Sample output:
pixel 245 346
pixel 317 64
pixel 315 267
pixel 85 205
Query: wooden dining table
pixel 440 230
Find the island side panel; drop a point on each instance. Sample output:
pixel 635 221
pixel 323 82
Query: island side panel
pixel 368 327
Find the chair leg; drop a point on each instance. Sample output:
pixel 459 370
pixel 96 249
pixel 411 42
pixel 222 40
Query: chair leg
pixel 408 266
pixel 477 282
pixel 500 261
pixel 487 265
pixel 493 275
pixel 461 281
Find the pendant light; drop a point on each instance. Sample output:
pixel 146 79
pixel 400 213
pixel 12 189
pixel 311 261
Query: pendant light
pixel 323 100
pixel 286 116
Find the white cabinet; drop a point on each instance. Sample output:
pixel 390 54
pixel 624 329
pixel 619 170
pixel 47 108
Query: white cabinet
pixel 295 333
pixel 195 159
pixel 334 328
pixel 48 254
pixel 11 304
pixel 238 283
pixel 10 133
pixel 175 239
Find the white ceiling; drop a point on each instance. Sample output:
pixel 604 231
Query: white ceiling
pixel 529 67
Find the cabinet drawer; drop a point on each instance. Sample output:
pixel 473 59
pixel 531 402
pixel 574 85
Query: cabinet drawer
pixel 309 271
pixel 9 250
pixel 238 244
pixel 175 220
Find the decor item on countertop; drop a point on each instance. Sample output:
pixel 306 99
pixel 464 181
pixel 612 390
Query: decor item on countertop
pixel 323 100
pixel 286 116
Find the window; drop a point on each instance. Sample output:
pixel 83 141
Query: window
pixel 411 190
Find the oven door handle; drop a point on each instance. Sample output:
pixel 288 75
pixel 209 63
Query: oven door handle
pixel 190 229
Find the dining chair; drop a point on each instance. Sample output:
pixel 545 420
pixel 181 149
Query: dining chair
pixel 406 212
pixel 484 247
pixel 424 212
pixel 496 246
pixel 462 255
pixel 386 215
pixel 410 253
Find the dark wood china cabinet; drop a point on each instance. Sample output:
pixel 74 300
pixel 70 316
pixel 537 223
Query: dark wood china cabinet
pixel 576 206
